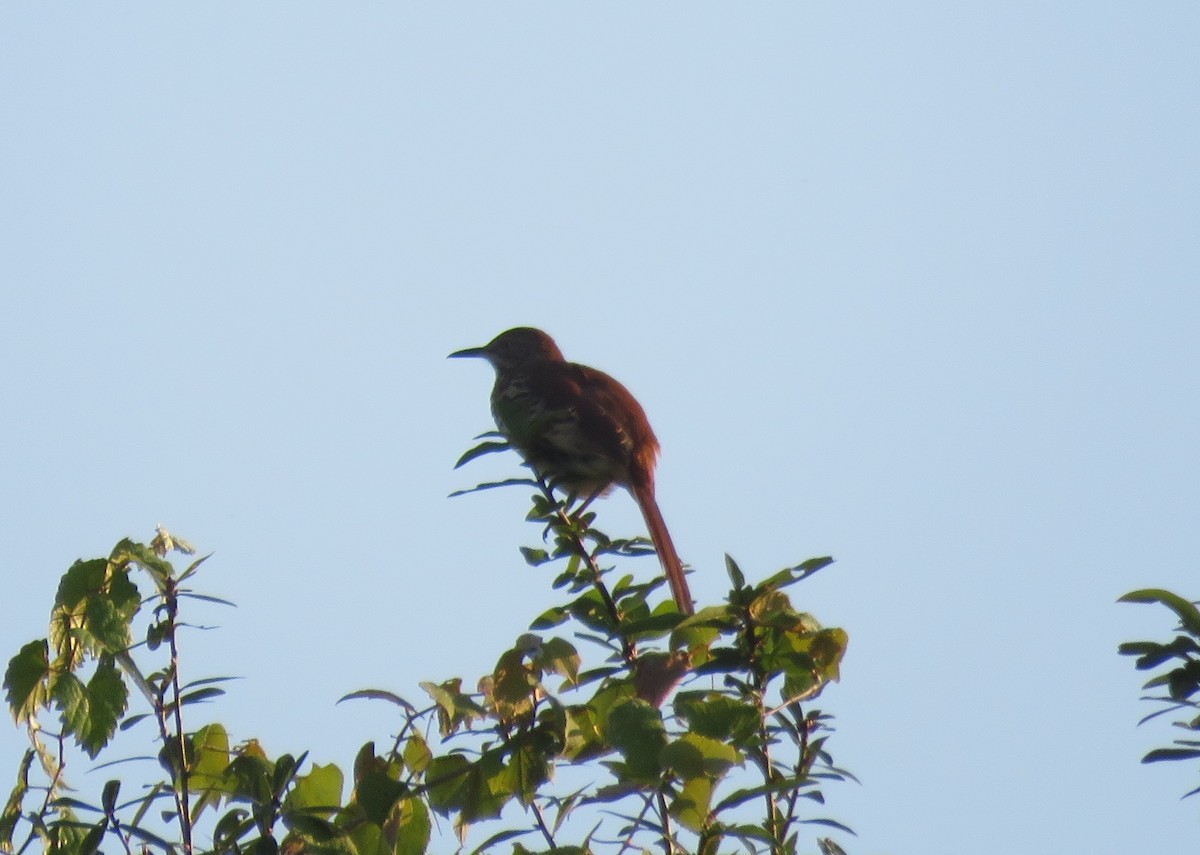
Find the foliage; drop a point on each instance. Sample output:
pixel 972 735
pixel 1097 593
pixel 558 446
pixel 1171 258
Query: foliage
pixel 1181 680
pixel 615 724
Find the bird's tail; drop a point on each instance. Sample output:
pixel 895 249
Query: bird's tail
pixel 663 545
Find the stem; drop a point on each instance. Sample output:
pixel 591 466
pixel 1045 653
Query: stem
pixel 668 838
pixel 541 824
pixel 182 801
pixel 54 781
pixel 628 648
pixel 627 843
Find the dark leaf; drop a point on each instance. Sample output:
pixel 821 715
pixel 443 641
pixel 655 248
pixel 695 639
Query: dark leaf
pixel 26 680
pixel 483 448
pixel 491 485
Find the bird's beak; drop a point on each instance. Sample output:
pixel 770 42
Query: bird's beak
pixel 470 351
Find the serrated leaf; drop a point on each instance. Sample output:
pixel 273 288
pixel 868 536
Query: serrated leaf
pixel 71 698
pixel 26 681
pixel 106 623
pixel 107 698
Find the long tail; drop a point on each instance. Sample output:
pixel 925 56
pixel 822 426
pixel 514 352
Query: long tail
pixel 673 568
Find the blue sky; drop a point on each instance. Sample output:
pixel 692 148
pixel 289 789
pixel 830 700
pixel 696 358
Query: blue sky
pixel 913 285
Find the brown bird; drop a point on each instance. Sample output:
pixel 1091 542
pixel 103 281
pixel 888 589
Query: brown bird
pixel 579 429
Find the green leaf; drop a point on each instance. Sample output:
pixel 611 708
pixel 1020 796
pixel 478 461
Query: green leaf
pixel 492 485
pixel 91 841
pixel 1188 614
pixel 692 802
pixel 12 809
pixel 128 551
pixel 483 448
pixel 446 781
pixel 106 623
pixel 417 754
pixel 535 557
pixel 559 656
pixel 81 579
pixel 410 826
pixel 320 788
pixel 71 698
pixel 718 716
pixel 249 774
pixel 636 730
pixel 376 793
pixel 209 759
pixel 736 576
pixel 812 565
pixel 693 756
pixel 108 798
pixel 107 698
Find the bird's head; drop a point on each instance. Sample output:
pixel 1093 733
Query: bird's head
pixel 515 347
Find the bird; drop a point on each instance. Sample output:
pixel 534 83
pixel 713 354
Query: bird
pixel 580 430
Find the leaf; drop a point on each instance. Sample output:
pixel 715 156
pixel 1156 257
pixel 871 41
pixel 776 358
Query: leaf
pixel 736 576
pixel 379 695
pixel 1160 754
pixel 209 759
pixel 535 557
pixel 108 798
pixel 410 826
pixel 200 696
pixel 559 656
pixel 106 623
pixel 691 804
pixel 812 565
pixel 695 756
pixel 718 716
pixel 491 485
pixel 446 782
pixel 483 448
pixel 12 809
pixel 71 698
pixel 635 729
pixel 417 754
pixel 107 698
pixel 1187 612
pixel 829 823
pixel 376 793
pixel 81 579
pixel 321 788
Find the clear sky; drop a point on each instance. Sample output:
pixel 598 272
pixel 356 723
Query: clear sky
pixel 915 285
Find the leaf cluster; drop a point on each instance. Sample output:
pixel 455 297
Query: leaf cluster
pixel 615 723
pixel 1178 664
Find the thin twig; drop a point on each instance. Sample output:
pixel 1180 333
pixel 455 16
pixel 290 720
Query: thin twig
pixel 637 823
pixel 628 648
pixel 182 800
pixel 668 838
pixel 541 824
